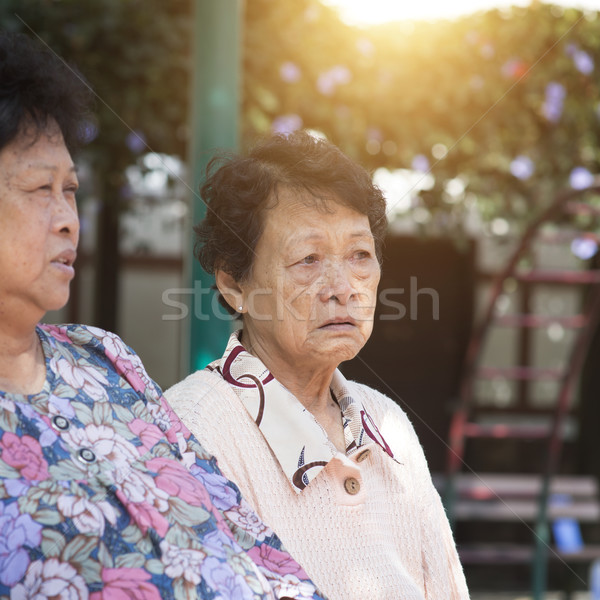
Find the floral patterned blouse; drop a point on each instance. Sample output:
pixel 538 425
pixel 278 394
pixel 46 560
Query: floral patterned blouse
pixel 104 494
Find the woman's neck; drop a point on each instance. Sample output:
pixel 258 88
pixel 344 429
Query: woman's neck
pixel 313 391
pixel 309 383
pixel 22 364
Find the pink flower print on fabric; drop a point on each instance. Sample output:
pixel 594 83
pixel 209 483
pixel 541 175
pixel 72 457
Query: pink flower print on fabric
pixel 245 518
pixel 80 376
pixel 220 576
pixel 182 562
pixel 127 364
pixel 126 584
pixel 167 420
pixel 87 516
pixel 176 425
pixel 139 486
pixel 46 435
pixel 25 455
pixel 144 515
pixel 16 531
pixel 148 433
pixel 106 444
pixel 126 369
pixel 58 333
pixel 51 579
pixel 178 482
pixel 276 561
pixel 289 586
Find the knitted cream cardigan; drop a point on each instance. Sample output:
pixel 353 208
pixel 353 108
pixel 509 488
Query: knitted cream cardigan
pixel 390 540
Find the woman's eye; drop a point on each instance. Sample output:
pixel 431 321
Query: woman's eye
pixel 362 254
pixel 309 260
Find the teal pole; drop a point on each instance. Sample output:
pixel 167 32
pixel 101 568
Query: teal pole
pixel 539 573
pixel 215 119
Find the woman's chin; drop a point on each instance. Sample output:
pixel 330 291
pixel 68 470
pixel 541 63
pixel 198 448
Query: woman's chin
pixel 340 349
pixel 57 302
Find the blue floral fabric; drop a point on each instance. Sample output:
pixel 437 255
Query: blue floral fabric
pixel 104 493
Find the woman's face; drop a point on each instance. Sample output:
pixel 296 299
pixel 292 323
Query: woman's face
pixel 39 228
pixel 311 295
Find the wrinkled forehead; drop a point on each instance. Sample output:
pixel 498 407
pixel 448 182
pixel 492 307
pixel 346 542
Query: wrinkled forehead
pixel 289 199
pixel 297 214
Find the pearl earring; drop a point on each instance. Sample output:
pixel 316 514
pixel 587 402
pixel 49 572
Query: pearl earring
pixel 240 308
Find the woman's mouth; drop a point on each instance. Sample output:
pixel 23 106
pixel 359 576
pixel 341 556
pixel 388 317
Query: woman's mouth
pixel 338 324
pixel 64 261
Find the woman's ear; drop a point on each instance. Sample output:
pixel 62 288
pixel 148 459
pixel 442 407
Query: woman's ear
pixel 230 290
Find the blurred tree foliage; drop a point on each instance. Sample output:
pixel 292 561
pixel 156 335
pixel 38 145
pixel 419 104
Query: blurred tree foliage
pixel 506 102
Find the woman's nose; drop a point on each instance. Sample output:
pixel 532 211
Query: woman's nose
pixel 66 219
pixel 337 284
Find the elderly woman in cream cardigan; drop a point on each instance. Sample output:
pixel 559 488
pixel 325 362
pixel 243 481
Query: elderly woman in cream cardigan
pixel 293 233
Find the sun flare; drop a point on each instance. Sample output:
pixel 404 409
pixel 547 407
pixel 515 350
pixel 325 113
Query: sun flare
pixel 371 12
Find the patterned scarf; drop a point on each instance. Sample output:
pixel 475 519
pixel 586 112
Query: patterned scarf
pixel 297 440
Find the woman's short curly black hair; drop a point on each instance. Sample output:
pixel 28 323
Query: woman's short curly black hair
pixel 238 189
pixel 36 88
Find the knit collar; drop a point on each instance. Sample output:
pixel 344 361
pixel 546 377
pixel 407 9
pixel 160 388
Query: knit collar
pixel 297 440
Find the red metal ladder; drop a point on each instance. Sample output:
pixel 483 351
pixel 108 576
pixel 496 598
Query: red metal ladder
pixel 520 496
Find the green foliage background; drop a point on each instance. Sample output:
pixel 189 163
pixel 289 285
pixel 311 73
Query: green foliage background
pixel 476 85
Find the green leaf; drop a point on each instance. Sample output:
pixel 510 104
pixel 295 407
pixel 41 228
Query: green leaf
pixel 186 514
pixel 123 413
pixel 155 566
pixel 184 590
pixel 131 534
pixel 129 561
pixel 102 413
pixel 104 556
pixel 242 537
pixel 79 548
pixel 47 516
pixel 68 470
pixel 83 413
pixel 8 421
pixel 7 472
pixel 53 543
pixel 90 570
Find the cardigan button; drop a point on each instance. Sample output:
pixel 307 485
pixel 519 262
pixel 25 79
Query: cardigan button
pixel 352 486
pixel 363 455
pixel 87 456
pixel 60 422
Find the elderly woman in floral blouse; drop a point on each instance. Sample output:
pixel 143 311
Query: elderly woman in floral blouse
pixel 103 492
pixel 293 233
